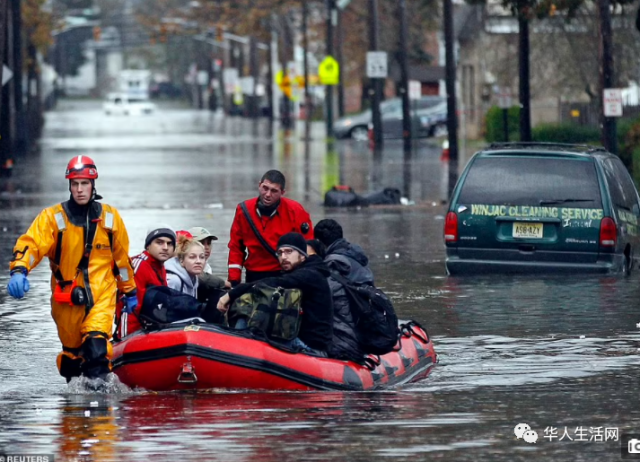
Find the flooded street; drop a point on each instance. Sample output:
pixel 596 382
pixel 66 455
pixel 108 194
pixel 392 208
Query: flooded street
pixel 560 354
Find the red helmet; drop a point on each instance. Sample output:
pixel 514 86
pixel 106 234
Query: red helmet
pixel 81 167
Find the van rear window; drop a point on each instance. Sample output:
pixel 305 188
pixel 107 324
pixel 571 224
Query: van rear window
pixel 530 181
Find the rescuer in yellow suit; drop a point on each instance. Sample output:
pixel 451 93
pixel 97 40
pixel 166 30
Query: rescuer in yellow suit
pixel 88 249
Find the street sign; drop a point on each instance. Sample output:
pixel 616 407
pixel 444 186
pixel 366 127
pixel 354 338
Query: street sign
pixel 612 102
pixel 342 4
pixel 202 78
pixel 415 89
pixel 377 64
pixel 285 86
pixel 329 71
pixel 247 85
pixel 230 77
pixel 6 74
pixel 504 98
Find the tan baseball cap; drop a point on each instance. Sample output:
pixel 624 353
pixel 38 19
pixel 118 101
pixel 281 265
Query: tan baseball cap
pixel 200 234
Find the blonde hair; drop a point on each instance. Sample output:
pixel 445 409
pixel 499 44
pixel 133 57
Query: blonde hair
pixel 183 245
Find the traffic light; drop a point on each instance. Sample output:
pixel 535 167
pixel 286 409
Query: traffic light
pixel 97 33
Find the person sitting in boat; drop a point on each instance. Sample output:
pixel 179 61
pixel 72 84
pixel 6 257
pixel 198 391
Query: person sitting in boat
pixel 207 282
pixel 187 264
pixel 149 271
pixel 305 272
pixel 348 260
pixel 315 247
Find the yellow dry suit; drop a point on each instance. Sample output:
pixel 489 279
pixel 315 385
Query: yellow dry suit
pixel 85 278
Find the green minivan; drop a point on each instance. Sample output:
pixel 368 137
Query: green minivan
pixel 541 208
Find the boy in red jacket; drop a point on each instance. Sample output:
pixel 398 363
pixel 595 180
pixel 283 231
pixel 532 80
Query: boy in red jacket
pixel 149 270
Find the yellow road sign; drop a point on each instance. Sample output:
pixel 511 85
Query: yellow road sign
pixel 285 86
pixel 329 71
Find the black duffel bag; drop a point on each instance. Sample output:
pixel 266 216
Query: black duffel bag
pixel 343 196
pixel 164 305
pixel 388 196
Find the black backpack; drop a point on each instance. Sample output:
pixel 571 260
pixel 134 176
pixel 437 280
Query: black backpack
pixel 375 319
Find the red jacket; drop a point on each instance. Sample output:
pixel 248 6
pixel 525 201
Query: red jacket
pixel 147 272
pixel 245 250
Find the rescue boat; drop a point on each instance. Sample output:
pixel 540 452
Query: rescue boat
pixel 197 355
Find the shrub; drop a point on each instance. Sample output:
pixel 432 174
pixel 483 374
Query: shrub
pixel 628 132
pixel 494 124
pixel 566 133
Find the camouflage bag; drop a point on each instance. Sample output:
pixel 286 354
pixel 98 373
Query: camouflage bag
pixel 272 310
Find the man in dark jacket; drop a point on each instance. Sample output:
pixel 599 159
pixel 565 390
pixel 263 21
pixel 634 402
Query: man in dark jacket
pixel 350 262
pixel 309 274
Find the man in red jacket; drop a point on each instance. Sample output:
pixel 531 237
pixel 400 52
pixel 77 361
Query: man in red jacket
pixel 149 271
pixel 258 225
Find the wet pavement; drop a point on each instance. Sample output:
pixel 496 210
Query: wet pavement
pixel 556 353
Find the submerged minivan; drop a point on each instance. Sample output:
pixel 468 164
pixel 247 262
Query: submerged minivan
pixel 540 208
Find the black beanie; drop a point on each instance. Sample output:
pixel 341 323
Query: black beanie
pixel 160 231
pixel 294 240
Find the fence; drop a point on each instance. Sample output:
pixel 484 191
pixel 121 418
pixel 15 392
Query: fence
pixel 588 114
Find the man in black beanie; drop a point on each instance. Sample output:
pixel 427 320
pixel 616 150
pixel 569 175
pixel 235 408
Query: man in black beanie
pixel 149 271
pixel 309 274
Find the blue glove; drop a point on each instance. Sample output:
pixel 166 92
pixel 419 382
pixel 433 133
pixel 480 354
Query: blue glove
pixel 19 284
pixel 130 303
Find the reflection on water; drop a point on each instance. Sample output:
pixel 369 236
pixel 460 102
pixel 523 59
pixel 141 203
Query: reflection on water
pixel 545 351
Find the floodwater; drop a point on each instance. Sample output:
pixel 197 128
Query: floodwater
pixel 559 354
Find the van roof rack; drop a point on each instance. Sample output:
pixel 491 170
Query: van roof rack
pixel 585 148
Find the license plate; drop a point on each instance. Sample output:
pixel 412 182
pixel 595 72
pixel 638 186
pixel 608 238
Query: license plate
pixel 527 230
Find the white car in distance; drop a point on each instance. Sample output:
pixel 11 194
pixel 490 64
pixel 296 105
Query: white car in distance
pixel 122 104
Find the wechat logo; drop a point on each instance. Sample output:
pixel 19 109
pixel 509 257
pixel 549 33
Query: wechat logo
pixel 523 431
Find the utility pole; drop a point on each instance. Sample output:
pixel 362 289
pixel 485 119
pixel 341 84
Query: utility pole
pixel 376 84
pixel 340 59
pixel 606 75
pixel 20 144
pixel 450 81
pixel 285 113
pixel 305 47
pixel 3 41
pixel 404 78
pixel 331 11
pixel 524 82
pixel 254 67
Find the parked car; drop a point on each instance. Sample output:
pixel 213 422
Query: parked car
pixel 542 207
pixel 123 104
pixel 428 117
pixel 356 126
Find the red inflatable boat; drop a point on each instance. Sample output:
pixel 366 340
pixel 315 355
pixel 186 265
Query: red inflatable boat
pixel 205 356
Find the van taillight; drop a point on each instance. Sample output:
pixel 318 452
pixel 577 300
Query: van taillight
pixel 608 232
pixel 451 227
